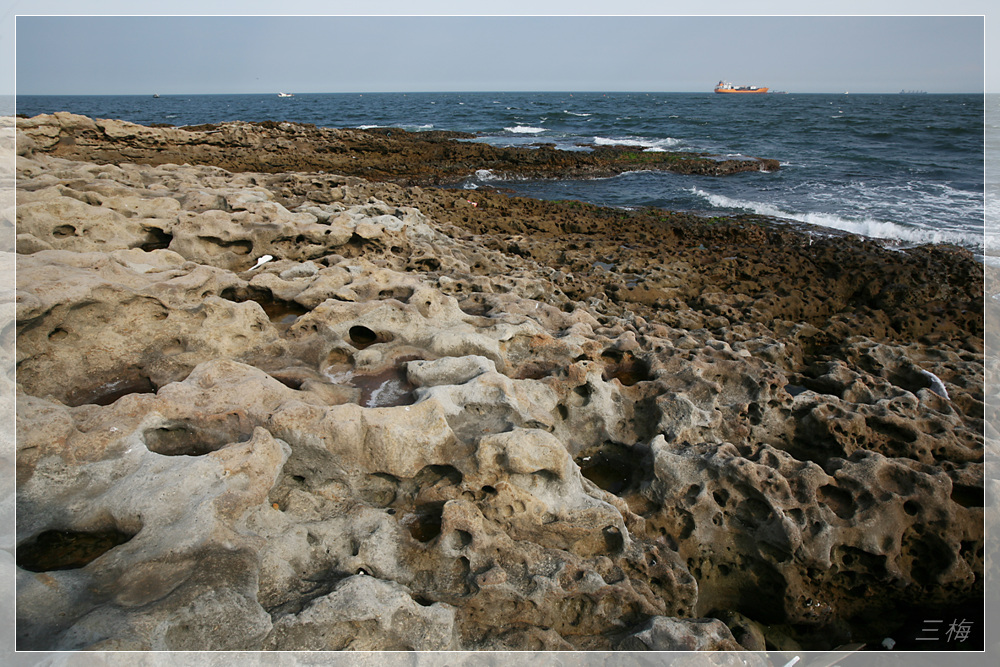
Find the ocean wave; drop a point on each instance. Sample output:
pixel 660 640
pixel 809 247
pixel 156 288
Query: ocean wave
pixel 991 242
pixel 992 217
pixel 486 175
pixel 869 227
pixel 929 205
pixel 992 211
pixel 427 126
pixel 573 113
pixel 525 129
pixel 652 145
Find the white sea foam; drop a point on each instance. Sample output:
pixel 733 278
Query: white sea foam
pixel 428 126
pixel 525 129
pixel 950 211
pixel 866 227
pixel 338 376
pixel 652 145
pixel 573 113
pixel 662 145
pixel 386 393
pixel 991 241
pixel 602 141
pixel 991 234
pixel 992 211
pixel 486 175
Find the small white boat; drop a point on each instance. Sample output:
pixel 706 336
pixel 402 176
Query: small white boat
pixel 285 95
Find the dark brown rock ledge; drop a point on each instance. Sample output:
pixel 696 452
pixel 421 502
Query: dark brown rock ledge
pixel 380 154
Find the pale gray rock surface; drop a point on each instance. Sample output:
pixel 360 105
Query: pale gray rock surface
pixel 674 634
pixel 395 436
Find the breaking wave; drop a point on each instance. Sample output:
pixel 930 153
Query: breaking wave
pixel 486 175
pixel 651 145
pixel 869 227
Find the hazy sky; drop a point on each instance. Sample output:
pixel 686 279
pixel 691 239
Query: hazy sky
pixel 265 54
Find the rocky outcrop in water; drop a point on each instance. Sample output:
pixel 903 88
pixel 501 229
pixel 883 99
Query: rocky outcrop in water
pixel 376 154
pixel 447 420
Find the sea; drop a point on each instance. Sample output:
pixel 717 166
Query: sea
pixel 905 168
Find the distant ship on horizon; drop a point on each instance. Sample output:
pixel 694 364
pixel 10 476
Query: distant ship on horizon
pixel 726 87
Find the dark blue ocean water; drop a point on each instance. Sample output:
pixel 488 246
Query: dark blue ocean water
pixel 902 167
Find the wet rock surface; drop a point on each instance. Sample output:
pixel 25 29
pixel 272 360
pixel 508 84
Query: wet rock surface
pixel 424 424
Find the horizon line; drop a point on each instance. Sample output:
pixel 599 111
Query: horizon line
pixel 495 92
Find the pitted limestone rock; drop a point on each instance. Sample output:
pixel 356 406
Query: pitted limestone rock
pixel 407 430
pixel 364 613
pixel 182 560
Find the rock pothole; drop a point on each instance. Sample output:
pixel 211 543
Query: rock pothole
pixel 193 439
pixel 53 550
pixel 615 467
pixel 109 392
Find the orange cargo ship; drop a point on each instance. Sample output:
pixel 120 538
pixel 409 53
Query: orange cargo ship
pixel 726 87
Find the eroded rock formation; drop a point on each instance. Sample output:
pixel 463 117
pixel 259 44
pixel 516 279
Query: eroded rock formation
pixel 425 424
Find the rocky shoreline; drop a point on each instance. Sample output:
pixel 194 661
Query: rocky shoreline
pixel 452 419
pixel 378 154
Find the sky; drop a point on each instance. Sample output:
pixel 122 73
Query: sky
pixel 314 54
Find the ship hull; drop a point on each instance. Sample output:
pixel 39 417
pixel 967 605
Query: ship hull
pixel 755 91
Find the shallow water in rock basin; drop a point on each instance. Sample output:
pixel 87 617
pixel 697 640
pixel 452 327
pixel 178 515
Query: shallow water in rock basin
pixel 384 389
pixel 282 313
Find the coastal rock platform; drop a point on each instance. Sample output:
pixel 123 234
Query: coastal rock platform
pixel 295 410
pixel 377 154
